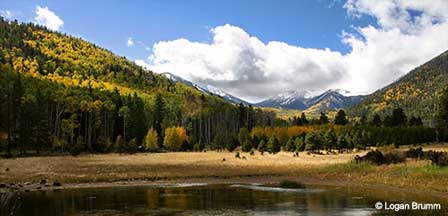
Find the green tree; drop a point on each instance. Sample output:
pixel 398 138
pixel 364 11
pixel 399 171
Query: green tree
pixel 290 146
pixel 273 145
pixel 330 139
pixel 323 119
pixel 243 136
pixel 159 112
pixel 299 143
pixel 398 117
pixel 262 146
pixel 376 120
pixel 303 119
pixel 312 141
pixel 341 118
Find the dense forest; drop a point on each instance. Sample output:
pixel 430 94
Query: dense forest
pixel 418 92
pixel 60 94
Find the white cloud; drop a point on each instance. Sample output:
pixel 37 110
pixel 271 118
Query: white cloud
pixel 243 65
pixel 130 42
pixel 6 14
pixel 48 18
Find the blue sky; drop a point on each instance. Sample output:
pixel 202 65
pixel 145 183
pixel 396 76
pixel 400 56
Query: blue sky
pixel 304 28
pixel 315 24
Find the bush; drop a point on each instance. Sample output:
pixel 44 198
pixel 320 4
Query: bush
pixel 438 158
pixel 76 149
pixel 132 146
pixel 378 158
pixel 415 153
pixel 198 147
pixel 246 146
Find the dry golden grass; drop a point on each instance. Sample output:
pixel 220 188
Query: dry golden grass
pixel 184 166
pixel 114 167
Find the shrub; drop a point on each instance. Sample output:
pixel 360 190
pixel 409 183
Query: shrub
pixel 438 158
pixel 378 158
pixel 246 146
pixel 415 153
pixel 198 147
pixel 76 149
pixel 132 146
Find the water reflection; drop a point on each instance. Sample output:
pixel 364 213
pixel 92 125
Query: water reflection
pixel 194 199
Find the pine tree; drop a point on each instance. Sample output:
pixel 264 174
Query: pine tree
pixel 303 119
pixel 376 121
pixel 323 119
pixel 273 145
pixel 159 112
pixel 341 118
pixel 398 117
pixel 443 110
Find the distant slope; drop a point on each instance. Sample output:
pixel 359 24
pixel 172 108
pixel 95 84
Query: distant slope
pixel 208 89
pixel 417 92
pixel 327 101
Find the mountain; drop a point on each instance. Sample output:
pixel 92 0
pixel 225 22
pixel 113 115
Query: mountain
pixel 208 89
pixel 329 100
pixel 417 92
pixel 287 100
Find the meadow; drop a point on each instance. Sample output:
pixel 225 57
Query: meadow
pixel 222 167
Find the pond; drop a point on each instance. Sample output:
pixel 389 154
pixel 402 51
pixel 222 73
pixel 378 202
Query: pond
pixel 197 199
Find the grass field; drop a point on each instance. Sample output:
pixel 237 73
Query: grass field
pixel 338 169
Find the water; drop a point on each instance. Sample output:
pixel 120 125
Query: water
pixel 196 199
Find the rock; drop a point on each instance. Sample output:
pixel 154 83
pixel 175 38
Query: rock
pixel 20 185
pixel 43 181
pixel 2 185
pixel 27 190
pixel 39 187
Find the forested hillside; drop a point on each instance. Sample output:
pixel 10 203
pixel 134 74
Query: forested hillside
pixel 61 93
pixel 418 92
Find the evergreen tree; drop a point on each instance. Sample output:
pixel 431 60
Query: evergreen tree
pixel 262 146
pixel 398 117
pixel 273 145
pixel 303 119
pixel 341 118
pixel 159 113
pixel 376 121
pixel 323 119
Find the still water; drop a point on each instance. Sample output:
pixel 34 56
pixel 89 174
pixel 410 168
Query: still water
pixel 195 199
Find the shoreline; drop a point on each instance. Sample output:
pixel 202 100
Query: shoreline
pixel 378 190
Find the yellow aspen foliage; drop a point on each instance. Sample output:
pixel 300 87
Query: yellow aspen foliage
pixel 151 140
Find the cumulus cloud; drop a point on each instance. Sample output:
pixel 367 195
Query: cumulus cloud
pixel 130 42
pixel 408 33
pixel 48 18
pixel 6 14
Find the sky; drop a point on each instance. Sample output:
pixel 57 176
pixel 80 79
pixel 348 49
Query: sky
pixel 256 49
